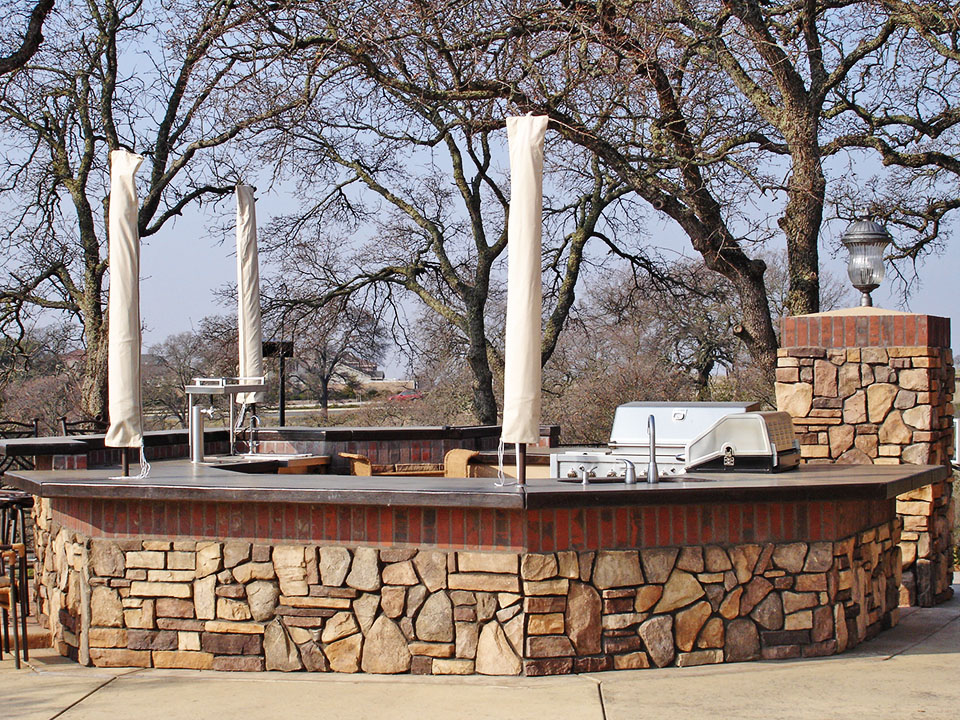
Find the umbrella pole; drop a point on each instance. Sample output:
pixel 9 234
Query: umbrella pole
pixel 521 464
pixel 125 461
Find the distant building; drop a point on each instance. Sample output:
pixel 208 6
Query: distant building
pixel 359 370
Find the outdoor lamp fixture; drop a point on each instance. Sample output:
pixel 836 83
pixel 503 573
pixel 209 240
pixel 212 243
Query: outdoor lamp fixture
pixel 866 241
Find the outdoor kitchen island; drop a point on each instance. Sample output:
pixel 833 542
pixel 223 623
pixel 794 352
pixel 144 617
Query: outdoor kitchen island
pixel 198 567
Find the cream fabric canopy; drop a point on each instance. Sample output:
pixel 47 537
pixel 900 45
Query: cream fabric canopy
pixel 521 380
pixel 250 334
pixel 123 363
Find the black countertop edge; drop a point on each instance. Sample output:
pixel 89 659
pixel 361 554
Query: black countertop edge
pixel 239 494
pixel 76 444
pixel 217 487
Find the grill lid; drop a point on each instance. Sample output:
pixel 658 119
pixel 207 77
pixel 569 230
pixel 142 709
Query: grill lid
pixel 676 423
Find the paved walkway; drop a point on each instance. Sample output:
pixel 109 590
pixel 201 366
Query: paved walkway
pixel 912 671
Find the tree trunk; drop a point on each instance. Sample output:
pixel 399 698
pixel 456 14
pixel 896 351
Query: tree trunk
pixel 484 400
pixel 325 398
pixel 94 386
pixel 801 223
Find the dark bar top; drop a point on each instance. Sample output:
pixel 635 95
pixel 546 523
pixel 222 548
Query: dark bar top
pixel 180 480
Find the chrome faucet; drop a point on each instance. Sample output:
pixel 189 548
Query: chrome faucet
pixel 630 472
pixel 653 475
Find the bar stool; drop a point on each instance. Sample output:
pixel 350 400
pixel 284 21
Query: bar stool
pixel 13 539
pixel 13 580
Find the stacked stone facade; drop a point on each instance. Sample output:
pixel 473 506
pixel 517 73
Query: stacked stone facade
pixel 876 387
pixel 238 605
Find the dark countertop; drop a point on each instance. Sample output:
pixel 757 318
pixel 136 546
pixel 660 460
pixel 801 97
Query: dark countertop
pixel 180 480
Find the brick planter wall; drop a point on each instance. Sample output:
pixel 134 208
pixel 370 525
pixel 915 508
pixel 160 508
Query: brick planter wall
pixel 872 386
pixel 142 600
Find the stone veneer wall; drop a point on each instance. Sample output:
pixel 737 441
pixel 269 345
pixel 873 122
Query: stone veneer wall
pixel 872 386
pixel 246 606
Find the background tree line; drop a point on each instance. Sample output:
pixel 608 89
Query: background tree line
pixel 745 125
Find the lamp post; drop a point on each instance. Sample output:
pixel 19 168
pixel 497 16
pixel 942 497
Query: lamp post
pixel 866 241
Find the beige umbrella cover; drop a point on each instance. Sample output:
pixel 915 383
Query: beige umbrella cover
pixel 123 363
pixel 521 380
pixel 248 292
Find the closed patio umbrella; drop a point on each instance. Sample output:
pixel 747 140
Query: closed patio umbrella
pixel 123 363
pixel 250 334
pixel 521 381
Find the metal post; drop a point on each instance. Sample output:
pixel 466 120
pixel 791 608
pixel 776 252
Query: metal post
pixel 283 389
pixel 231 399
pixel 521 464
pixel 125 461
pixel 197 449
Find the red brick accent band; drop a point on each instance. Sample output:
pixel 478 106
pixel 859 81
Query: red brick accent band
pixel 836 331
pixel 591 528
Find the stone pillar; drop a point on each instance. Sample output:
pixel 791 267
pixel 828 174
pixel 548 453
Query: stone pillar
pixel 868 385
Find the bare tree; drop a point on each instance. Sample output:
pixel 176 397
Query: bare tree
pixel 430 185
pixel 23 46
pixel 203 86
pixel 208 351
pixel 327 338
pixel 708 111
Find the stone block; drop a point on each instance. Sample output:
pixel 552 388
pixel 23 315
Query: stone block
pixel 119 657
pixel 559 586
pixel 802 620
pixel 487 582
pixel 647 597
pixel 234 553
pixel 145 559
pixel 690 559
pixel 491 562
pixel 452 666
pixel 222 626
pixel 794 398
pixel 538 566
pixel 841 438
pixel 681 589
pixel 435 623
pixel 106 558
pixel 100 637
pixel 880 398
pixel 855 408
pixel 547 666
pixel 699 657
pixel 431 565
pixel 179 576
pixel 539 646
pixel 549 624
pixel 174 608
pixel 824 378
pixel 793 601
pixel 209 559
pixel 400 573
pixel 688 624
pixel 435 650
pixel 246 572
pixel 152 639
pixel 182 659
pixel 495 655
pixel 181 561
pixel 631 661
pixel 657 636
pixel 915 379
pixel 742 641
pixel 238 663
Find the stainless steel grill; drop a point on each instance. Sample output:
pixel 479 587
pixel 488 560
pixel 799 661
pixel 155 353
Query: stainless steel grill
pixel 677 424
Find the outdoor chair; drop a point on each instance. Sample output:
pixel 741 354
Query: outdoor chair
pixel 13 580
pixel 454 464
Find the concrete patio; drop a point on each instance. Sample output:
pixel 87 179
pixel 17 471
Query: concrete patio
pixel 911 671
